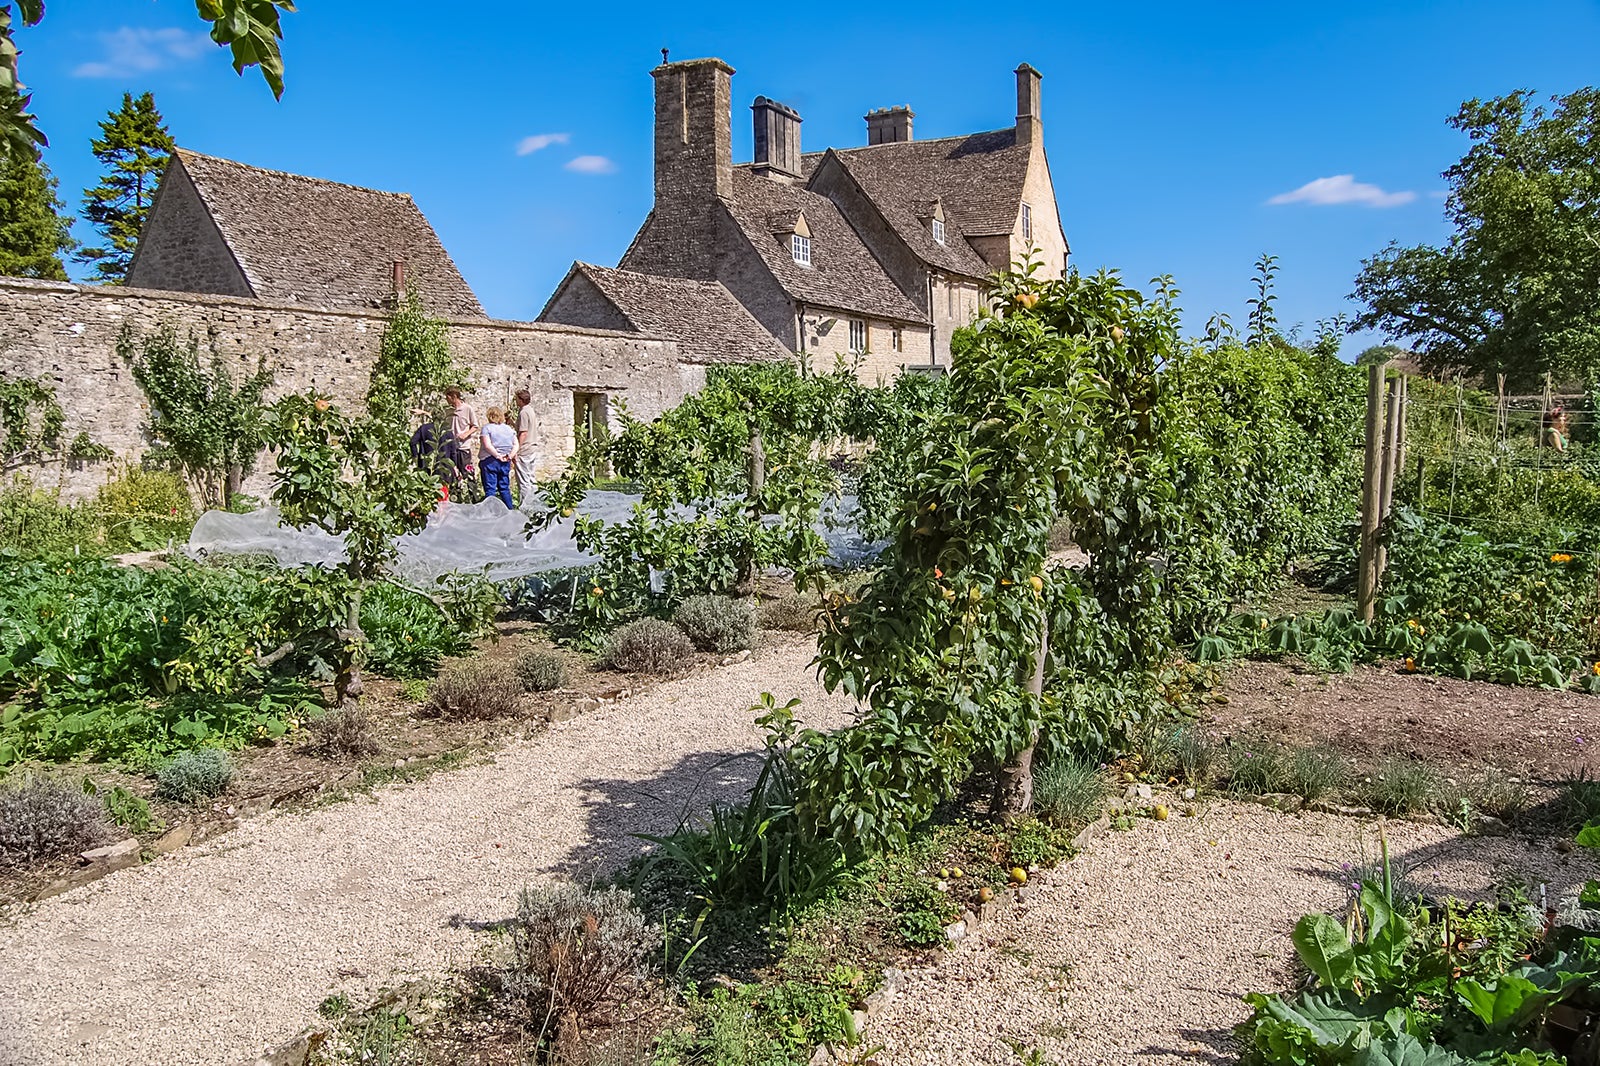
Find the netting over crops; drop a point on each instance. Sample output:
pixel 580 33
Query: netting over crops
pixel 483 538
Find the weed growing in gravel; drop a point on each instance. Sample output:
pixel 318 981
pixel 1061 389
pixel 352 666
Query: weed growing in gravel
pixel 343 733
pixel 1399 786
pixel 542 670
pixel 1315 772
pixel 648 646
pixel 717 623
pixel 43 817
pixel 335 1006
pixel 413 690
pixel 474 688
pixel 1493 794
pixel 195 775
pixel 381 1039
pixel 1069 791
pixel 1156 745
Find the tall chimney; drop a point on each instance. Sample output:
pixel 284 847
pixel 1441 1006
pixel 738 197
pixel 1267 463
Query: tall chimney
pixel 1029 128
pixel 777 154
pixel 398 278
pixel 694 142
pixel 889 125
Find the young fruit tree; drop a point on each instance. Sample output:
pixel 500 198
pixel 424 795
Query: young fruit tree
pixel 353 476
pixel 968 644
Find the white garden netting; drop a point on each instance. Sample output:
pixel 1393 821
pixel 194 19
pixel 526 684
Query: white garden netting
pixel 478 538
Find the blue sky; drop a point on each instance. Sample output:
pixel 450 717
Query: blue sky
pixel 1171 128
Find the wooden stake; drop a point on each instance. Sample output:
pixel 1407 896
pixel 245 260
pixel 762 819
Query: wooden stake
pixel 1394 417
pixel 1366 571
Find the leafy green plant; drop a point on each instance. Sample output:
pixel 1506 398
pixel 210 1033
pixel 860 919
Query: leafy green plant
pixel 124 808
pixel 195 775
pixel 716 623
pixel 542 670
pixel 44 817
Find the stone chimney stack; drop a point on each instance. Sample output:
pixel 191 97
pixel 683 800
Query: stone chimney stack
pixel 777 154
pixel 1029 129
pixel 889 125
pixel 694 140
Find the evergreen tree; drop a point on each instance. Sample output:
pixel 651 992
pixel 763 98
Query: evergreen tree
pixel 33 233
pixel 134 146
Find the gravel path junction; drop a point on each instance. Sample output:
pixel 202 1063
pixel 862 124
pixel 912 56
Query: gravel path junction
pixel 221 951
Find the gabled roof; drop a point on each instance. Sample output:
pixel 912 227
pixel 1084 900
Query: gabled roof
pixel 705 320
pixel 307 240
pixel 844 275
pixel 978 178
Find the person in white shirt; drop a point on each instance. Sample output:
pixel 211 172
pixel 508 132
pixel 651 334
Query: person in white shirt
pixel 527 483
pixel 499 449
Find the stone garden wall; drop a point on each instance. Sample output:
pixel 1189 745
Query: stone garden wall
pixel 67 336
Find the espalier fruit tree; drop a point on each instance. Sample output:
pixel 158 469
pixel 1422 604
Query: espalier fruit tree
pixel 966 645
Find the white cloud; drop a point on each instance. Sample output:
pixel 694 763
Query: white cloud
pixel 138 50
pixel 530 145
pixel 592 164
pixel 1342 189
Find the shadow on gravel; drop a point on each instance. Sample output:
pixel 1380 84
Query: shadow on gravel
pixel 1204 1045
pixel 615 810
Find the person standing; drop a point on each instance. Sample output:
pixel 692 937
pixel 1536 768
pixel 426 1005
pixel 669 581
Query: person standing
pixel 526 482
pixel 463 427
pixel 499 450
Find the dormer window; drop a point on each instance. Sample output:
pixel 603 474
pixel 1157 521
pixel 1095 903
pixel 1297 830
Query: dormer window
pixel 938 230
pixel 1027 223
pixel 800 249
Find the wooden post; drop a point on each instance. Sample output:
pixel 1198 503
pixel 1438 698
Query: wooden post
pixel 1394 416
pixel 1405 407
pixel 1366 568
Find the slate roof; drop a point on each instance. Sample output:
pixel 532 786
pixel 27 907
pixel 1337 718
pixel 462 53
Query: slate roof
pixel 705 320
pixel 844 275
pixel 978 178
pixel 307 240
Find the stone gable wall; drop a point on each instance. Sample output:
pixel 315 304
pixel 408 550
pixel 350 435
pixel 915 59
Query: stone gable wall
pixel 67 335
pixel 182 248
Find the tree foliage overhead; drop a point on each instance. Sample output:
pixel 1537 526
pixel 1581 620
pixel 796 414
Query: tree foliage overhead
pixel 33 233
pixel 249 29
pixel 134 146
pixel 1513 290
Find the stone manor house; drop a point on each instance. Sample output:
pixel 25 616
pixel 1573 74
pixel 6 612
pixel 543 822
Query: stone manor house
pixel 872 254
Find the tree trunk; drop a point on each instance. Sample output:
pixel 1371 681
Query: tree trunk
pixel 1013 782
pixel 231 488
pixel 347 686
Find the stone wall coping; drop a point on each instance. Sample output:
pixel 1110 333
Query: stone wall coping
pixel 123 292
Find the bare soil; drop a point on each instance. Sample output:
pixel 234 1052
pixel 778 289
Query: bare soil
pixel 1378 710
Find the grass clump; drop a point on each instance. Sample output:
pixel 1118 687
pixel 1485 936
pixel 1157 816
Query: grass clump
pixel 793 614
pixel 343 733
pixel 1315 772
pixel 1196 758
pixel 1577 801
pixel 474 689
pixel 542 670
pixel 1399 786
pixel 1256 769
pixel 648 646
pixel 716 623
pixel 1069 791
pixel 43 818
pixel 195 775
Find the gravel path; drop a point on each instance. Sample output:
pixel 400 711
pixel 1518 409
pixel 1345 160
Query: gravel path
pixel 215 954
pixel 1139 949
